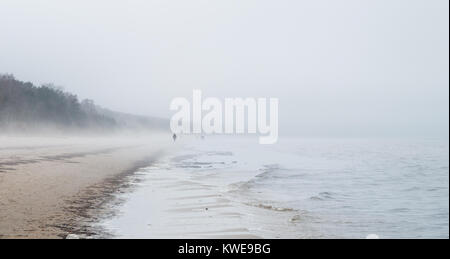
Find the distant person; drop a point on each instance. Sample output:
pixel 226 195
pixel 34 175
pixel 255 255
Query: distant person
pixel 174 137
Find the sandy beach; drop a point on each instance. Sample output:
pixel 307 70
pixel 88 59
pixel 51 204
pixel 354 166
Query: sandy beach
pixel 68 187
pixel 150 187
pixel 51 187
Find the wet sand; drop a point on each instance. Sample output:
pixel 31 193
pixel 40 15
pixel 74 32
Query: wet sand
pixel 193 194
pixel 53 187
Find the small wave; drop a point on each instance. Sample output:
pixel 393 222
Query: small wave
pixel 270 168
pixel 268 173
pixel 412 189
pixel 400 210
pixel 270 207
pixel 201 165
pixel 217 153
pixel 323 196
pixel 433 189
pixel 246 185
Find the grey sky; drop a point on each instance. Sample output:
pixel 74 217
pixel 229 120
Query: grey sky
pixel 339 67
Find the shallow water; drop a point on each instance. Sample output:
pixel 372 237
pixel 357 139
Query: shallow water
pixel 346 188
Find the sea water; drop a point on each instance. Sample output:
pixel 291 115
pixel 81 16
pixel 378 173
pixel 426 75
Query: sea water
pixel 330 188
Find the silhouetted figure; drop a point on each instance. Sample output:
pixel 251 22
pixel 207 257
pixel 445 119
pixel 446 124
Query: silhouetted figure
pixel 174 137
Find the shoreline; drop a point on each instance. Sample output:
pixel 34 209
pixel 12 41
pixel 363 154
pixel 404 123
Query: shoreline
pixel 194 193
pixel 153 188
pixel 50 188
pixel 98 202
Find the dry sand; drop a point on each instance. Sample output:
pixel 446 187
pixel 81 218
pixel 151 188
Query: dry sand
pixel 49 187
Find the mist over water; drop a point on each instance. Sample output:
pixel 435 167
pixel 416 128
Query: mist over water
pixel 339 68
pixel 362 94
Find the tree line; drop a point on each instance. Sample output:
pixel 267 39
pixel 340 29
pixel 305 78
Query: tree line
pixel 26 106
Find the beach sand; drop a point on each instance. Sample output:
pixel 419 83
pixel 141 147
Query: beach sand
pixel 141 187
pixel 51 187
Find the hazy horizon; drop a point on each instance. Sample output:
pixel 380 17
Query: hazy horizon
pixel 339 68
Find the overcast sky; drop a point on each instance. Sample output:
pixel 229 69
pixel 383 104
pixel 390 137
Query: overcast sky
pixel 339 67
